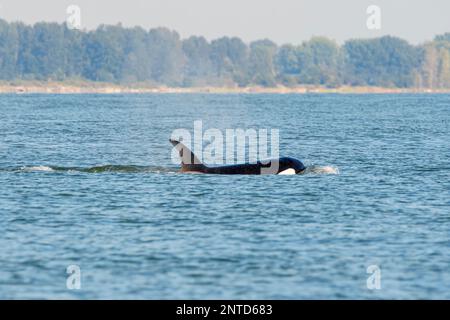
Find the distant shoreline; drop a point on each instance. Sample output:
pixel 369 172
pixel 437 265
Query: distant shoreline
pixel 45 87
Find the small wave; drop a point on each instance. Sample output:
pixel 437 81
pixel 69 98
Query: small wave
pixel 115 168
pixel 321 170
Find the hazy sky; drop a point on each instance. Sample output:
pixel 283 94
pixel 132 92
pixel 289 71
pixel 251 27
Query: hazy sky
pixel 279 20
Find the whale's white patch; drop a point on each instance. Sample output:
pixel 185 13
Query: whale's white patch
pixel 287 171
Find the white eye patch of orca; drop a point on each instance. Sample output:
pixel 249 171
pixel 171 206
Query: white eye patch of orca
pixel 287 171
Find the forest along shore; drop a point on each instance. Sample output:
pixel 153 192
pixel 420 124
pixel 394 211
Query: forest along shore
pixel 107 88
pixel 134 59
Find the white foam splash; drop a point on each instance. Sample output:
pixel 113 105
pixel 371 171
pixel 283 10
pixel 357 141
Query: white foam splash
pixel 38 168
pixel 322 170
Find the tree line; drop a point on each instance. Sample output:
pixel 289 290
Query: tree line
pixel 51 51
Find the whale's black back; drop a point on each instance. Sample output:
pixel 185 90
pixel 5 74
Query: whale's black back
pixel 273 166
pixel 247 168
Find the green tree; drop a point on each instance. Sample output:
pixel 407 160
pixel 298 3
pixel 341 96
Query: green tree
pixel 103 51
pixel 287 65
pixel 261 68
pixel 386 61
pixel 444 72
pixel 42 51
pixel 442 44
pixel 229 57
pixel 74 62
pixel 166 56
pixel 443 37
pixel 9 50
pixel 198 68
pixel 430 65
pixel 137 65
pixel 319 62
pixel 435 63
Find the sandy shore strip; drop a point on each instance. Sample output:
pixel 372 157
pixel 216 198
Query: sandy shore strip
pixel 107 88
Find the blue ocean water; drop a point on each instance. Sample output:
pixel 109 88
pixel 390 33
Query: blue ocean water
pixel 88 180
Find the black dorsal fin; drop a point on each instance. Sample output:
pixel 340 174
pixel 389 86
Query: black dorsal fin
pixel 189 162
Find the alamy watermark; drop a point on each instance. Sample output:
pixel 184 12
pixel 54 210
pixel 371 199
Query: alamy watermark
pixel 373 21
pixel 73 20
pixel 229 146
pixel 73 281
pixel 374 280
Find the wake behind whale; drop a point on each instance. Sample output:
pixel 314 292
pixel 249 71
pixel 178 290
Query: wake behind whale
pixel 108 168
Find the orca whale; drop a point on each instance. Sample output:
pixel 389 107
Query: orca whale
pixel 191 164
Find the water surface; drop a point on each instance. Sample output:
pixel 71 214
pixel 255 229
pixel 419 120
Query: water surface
pixel 88 180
